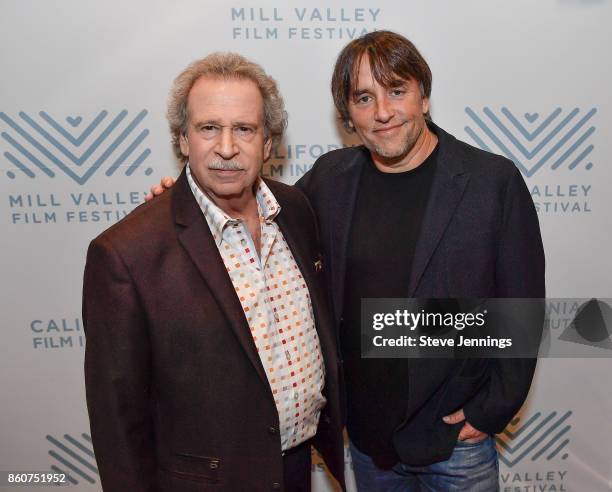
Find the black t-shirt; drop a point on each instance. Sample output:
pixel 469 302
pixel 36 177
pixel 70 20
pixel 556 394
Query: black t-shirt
pixel 386 223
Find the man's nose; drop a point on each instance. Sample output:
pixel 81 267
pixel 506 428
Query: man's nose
pixel 226 145
pixel 384 110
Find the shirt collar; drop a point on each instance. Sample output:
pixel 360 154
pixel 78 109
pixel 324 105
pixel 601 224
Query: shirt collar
pixel 217 219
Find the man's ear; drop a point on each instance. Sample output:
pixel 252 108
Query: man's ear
pixel 267 148
pixel 184 144
pixel 425 105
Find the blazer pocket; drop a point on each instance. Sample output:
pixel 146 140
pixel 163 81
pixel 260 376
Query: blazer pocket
pixel 195 468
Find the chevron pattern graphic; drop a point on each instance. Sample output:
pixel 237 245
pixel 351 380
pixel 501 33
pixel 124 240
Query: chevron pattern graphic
pixel 74 457
pixel 539 437
pixel 44 144
pixel 531 141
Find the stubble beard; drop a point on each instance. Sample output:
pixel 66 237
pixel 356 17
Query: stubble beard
pixel 393 154
pixel 406 146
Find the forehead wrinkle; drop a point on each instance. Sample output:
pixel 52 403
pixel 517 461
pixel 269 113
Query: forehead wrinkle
pixel 243 122
pixel 216 91
pixel 217 113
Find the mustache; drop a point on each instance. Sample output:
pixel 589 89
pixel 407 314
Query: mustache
pixel 220 165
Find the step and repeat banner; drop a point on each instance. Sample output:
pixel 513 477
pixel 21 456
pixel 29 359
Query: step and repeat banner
pixel 83 136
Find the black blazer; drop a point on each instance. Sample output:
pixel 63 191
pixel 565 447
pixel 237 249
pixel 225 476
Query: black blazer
pixel 480 238
pixel 177 396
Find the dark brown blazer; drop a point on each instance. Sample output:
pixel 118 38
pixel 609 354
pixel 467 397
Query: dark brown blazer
pixel 177 396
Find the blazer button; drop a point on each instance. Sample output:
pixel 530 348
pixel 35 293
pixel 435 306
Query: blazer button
pixel 276 486
pixel 272 430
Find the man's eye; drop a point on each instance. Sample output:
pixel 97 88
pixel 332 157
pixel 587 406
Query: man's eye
pixel 363 99
pixel 244 130
pixel 397 92
pixel 208 128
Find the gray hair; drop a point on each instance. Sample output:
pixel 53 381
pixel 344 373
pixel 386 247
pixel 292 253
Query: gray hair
pixel 225 66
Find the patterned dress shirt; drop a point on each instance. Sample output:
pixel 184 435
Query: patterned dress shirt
pixel 278 309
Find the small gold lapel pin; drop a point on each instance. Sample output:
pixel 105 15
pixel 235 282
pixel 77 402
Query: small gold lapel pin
pixel 318 265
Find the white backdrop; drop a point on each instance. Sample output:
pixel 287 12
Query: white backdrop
pixel 83 136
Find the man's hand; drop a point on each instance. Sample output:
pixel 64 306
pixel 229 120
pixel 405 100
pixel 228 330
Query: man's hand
pixel 165 184
pixel 468 433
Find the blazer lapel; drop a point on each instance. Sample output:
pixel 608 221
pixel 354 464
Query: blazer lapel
pixel 195 236
pixel 345 185
pixel 289 226
pixel 448 185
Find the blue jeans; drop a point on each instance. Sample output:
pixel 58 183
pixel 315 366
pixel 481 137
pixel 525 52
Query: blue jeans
pixel 471 468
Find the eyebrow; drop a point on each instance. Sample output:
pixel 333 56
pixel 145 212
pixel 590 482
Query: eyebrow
pixel 245 123
pixel 359 92
pixel 207 122
pixel 397 83
pixel 393 84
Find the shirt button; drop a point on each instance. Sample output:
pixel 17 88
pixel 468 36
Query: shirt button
pixel 243 242
pixel 296 395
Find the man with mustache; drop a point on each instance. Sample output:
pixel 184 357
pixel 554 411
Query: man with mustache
pixel 210 361
pixel 416 213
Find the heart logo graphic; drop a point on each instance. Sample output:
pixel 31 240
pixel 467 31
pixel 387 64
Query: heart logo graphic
pixel 76 121
pixel 531 117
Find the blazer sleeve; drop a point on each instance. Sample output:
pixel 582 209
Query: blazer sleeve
pixel 519 274
pixel 117 373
